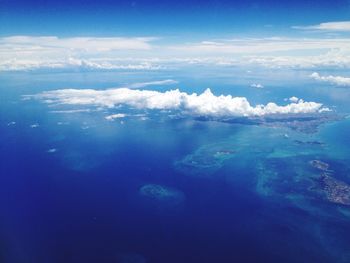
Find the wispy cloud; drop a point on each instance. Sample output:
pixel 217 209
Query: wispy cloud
pixel 152 83
pixel 342 26
pixel 263 45
pixel 112 117
pixel 205 105
pixel 100 44
pixel 257 85
pixel 337 80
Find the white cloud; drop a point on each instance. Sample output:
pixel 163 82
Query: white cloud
pixel 337 80
pixel 151 83
pixel 51 52
pixel 21 64
pixel 205 104
pixel 335 58
pixel 99 44
pixel 71 111
pixel 115 116
pixel 19 53
pixel 342 26
pixel 294 99
pixel 257 85
pixel 262 45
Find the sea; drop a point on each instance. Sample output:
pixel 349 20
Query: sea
pixel 158 186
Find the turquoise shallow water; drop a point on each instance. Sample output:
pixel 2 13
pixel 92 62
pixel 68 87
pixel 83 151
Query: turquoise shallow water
pixel 152 187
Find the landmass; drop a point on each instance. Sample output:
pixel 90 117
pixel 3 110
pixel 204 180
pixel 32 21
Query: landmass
pixel 336 191
pixel 319 165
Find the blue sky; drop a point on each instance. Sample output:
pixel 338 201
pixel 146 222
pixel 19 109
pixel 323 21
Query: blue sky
pixel 170 36
pixel 191 18
pixel 157 35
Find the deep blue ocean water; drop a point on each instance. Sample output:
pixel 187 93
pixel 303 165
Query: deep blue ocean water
pixel 71 182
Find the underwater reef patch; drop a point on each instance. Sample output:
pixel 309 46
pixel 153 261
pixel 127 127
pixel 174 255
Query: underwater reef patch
pixel 162 193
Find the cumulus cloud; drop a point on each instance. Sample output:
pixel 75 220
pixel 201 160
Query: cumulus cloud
pixel 293 99
pixel 205 105
pixel 337 80
pixel 342 26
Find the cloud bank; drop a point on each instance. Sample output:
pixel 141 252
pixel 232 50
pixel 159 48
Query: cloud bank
pixel 70 63
pixel 205 104
pixel 94 53
pixel 20 53
pixel 333 58
pixel 337 80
